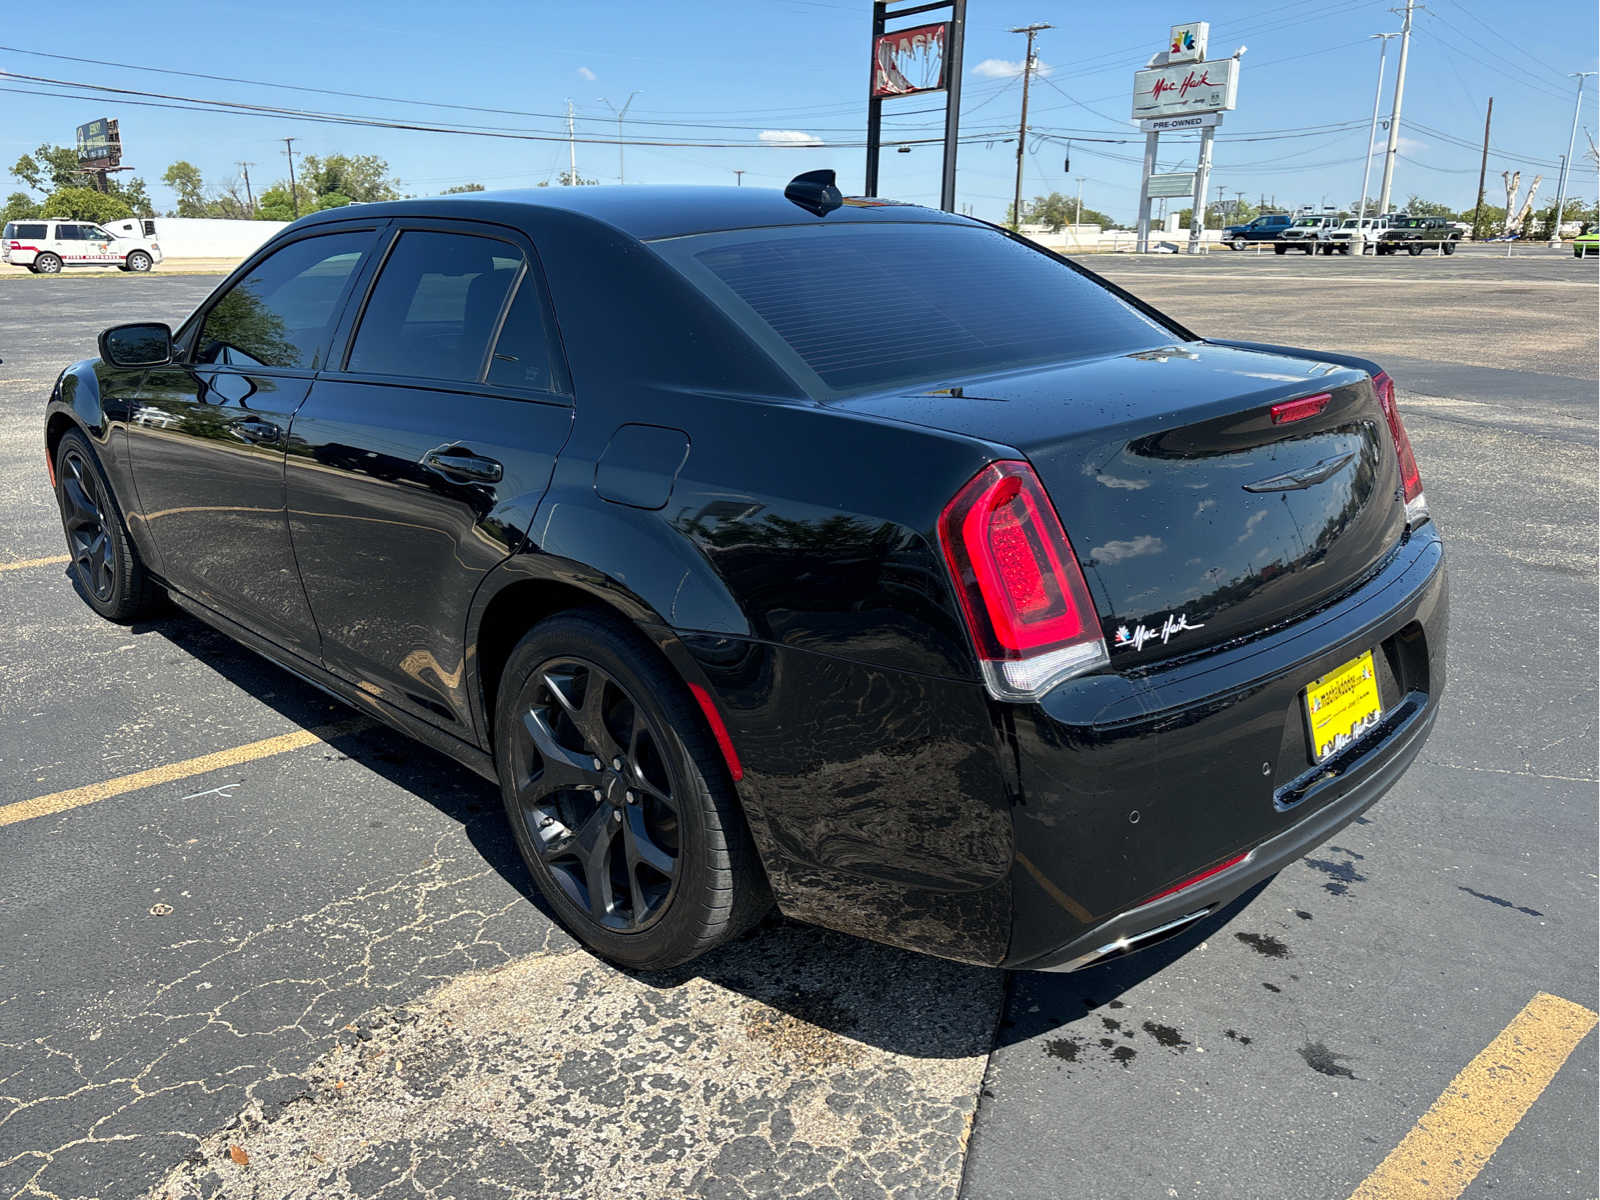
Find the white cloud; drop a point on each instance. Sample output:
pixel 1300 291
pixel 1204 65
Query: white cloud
pixel 789 137
pixel 585 73
pixel 1410 145
pixel 1002 68
pixel 1115 552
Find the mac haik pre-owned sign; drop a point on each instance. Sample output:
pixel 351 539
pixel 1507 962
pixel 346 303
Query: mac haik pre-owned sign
pixel 1184 88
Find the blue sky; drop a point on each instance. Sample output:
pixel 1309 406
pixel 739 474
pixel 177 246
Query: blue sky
pixel 762 72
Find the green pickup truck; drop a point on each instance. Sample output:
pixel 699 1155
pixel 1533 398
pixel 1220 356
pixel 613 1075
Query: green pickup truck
pixel 1416 234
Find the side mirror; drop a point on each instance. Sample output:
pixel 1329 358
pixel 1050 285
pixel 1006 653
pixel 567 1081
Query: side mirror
pixel 144 345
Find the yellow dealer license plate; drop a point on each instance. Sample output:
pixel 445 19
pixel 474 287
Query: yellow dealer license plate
pixel 1341 706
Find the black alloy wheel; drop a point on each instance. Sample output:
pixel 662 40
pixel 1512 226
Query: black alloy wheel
pixel 89 543
pixel 596 796
pixel 618 796
pixel 105 564
pixel 1414 249
pixel 1449 247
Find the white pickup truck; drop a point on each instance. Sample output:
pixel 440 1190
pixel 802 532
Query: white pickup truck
pixel 1341 238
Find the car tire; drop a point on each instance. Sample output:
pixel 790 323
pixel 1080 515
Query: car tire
pixel 1449 247
pixel 1310 250
pixel 581 688
pixel 139 262
pixel 47 264
pixel 1344 249
pixel 105 565
pixel 1414 249
pixel 1239 243
pixel 1280 249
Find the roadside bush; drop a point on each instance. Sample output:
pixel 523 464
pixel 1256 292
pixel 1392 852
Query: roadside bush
pixel 85 204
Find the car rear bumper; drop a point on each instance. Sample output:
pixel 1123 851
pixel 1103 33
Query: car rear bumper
pixel 1124 796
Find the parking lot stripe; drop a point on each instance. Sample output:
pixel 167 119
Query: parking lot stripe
pixel 1455 1138
pixel 55 802
pixel 34 562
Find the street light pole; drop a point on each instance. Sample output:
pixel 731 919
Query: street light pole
pixel 1077 217
pixel 623 112
pixel 1393 147
pixel 1372 138
pixel 1561 188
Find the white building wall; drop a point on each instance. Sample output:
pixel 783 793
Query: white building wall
pixel 203 237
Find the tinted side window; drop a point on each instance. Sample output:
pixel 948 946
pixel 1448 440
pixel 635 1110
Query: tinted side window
pixel 436 306
pixel 67 233
pixel 25 231
pixel 526 354
pixel 279 314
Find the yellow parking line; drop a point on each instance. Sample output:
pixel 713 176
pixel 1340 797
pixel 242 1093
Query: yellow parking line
pixel 34 562
pixel 43 806
pixel 1455 1138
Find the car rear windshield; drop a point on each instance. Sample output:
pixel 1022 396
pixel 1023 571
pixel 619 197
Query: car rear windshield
pixel 863 307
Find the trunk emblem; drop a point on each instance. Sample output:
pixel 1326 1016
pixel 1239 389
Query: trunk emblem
pixel 1142 633
pixel 1291 481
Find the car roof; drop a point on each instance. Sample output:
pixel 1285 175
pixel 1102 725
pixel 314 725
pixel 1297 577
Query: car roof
pixel 651 211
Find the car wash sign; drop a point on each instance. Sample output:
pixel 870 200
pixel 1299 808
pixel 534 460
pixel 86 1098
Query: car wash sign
pixel 1182 89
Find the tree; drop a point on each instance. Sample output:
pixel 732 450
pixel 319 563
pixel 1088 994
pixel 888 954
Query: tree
pixel 49 168
pixel 85 204
pixel 19 206
pixel 358 178
pixel 1416 206
pixel 276 204
pixel 134 195
pixel 184 178
pixel 462 187
pixel 568 179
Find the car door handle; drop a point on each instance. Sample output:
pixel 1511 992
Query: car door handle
pixel 464 464
pixel 254 430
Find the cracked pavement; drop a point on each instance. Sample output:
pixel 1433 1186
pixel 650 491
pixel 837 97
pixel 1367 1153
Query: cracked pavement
pixel 324 973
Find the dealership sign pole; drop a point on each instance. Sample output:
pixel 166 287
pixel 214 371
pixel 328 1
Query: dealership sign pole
pixel 1182 90
pixel 909 62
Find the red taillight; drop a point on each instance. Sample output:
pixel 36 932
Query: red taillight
pixel 1020 587
pixel 1410 477
pixel 1200 878
pixel 719 730
pixel 1299 410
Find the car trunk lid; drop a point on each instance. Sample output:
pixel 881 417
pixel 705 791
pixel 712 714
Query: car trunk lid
pixel 1198 518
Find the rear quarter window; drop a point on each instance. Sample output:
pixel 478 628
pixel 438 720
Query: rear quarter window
pixel 872 306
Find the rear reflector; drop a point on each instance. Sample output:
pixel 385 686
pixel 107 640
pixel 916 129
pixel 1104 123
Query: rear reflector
pixel 1410 477
pixel 719 731
pixel 50 466
pixel 1021 590
pixel 1299 410
pixel 1200 878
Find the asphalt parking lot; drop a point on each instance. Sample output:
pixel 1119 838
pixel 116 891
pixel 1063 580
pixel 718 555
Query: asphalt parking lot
pixel 255 948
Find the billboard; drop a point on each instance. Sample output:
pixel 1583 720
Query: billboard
pixel 99 144
pixel 908 62
pixel 1187 43
pixel 1176 91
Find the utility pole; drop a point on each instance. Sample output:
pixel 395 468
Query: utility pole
pixel 1077 217
pixel 1394 115
pixel 1022 129
pixel 1483 166
pixel 572 151
pixel 1372 137
pixel 249 198
pixel 626 104
pixel 738 177
pixel 294 191
pixel 1561 188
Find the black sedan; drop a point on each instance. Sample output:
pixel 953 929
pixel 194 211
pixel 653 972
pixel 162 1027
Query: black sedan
pixel 778 546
